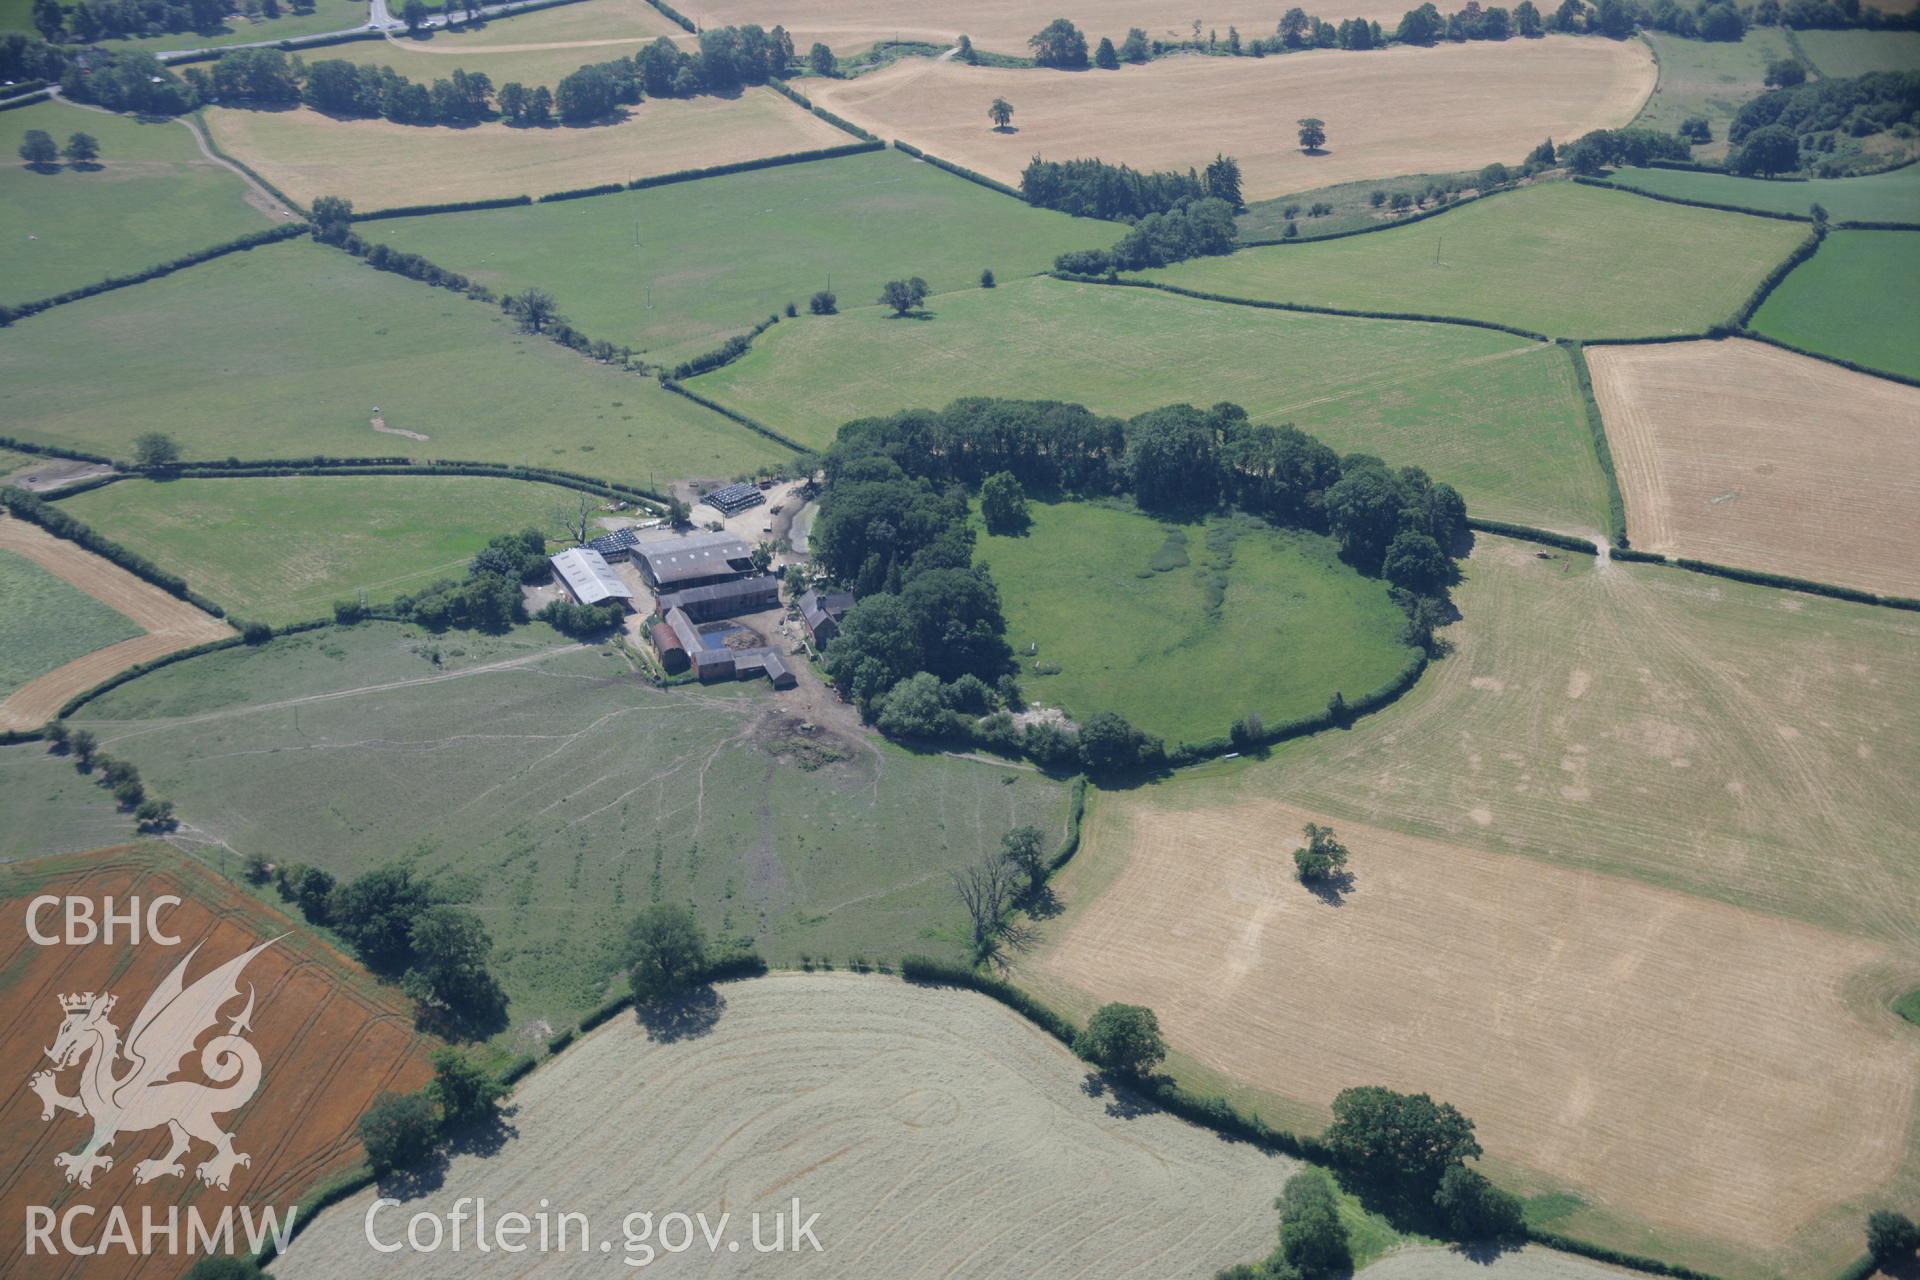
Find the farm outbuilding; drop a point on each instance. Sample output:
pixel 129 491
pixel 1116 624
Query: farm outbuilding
pixel 725 599
pixel 734 498
pixel 616 544
pixel 589 579
pixel 673 654
pixel 695 560
pixel 821 611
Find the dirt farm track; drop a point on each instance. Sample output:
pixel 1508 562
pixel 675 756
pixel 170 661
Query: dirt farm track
pixel 170 623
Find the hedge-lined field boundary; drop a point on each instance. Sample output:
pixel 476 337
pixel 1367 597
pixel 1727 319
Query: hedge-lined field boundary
pixel 1663 197
pixel 1762 291
pixel 253 241
pixel 29 507
pixel 1528 533
pixel 1780 581
pixel 1308 308
pixel 794 96
pixel 1756 336
pixel 1597 429
pixel 236 468
pixel 26 99
pixel 451 206
pixel 724 354
pixel 53 451
pixel 675 16
pixel 959 170
pixel 1407 221
pixel 196 121
pixel 751 424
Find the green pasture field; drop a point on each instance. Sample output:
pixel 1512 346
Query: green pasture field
pixel 549 786
pixel 1118 605
pixel 47 623
pixel 1858 298
pixel 1708 78
pixel 1879 197
pixel 154 198
pixel 285 350
pixel 327 16
pixel 284 549
pixel 1908 1006
pixel 1352 204
pixel 1496 416
pixel 675 270
pixel 1837 54
pixel 16 15
pixel 52 807
pixel 1560 259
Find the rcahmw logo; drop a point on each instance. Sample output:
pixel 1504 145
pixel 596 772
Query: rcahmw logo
pixel 130 1086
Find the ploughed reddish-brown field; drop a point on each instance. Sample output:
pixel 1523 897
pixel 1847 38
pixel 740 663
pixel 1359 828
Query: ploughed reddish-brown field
pixel 1685 1064
pixel 1744 454
pixel 329 1040
pixel 1392 112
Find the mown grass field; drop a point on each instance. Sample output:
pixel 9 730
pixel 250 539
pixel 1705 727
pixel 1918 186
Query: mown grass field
pixel 153 198
pixel 1496 416
pixel 1855 53
pixel 382 165
pixel 281 550
pixel 544 783
pixel 1128 614
pixel 1644 267
pixel 536 48
pixel 1708 78
pixel 327 15
pixel 1735 743
pixel 48 622
pixel 287 350
pixel 52 807
pixel 1879 197
pixel 1858 298
pixel 674 270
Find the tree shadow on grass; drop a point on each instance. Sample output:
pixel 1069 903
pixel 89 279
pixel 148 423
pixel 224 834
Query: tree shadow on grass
pixel 1123 1102
pixel 485 1138
pixel 1487 1252
pixel 686 1017
pixel 1042 903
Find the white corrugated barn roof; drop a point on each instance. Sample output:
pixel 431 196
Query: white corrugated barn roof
pixel 588 575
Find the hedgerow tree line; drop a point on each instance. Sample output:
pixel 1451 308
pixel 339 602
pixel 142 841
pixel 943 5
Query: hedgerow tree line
pixel 924 652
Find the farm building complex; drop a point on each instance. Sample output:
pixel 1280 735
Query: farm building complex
pixel 821 611
pixel 734 498
pixel 693 561
pixel 589 579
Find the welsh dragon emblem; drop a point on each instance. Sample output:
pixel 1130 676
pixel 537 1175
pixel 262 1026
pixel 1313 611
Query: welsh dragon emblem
pixel 142 1093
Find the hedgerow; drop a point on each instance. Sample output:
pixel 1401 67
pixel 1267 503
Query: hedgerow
pixel 451 206
pixel 793 95
pixel 28 506
pixel 1597 429
pixel 1756 336
pixel 1662 196
pixel 961 171
pixel 1527 533
pixel 274 234
pixel 726 353
pixel 764 162
pixel 1805 250
pixel 751 424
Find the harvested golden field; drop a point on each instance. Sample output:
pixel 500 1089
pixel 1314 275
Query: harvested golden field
pixel 536 48
pixel 380 165
pixel 933 1131
pixel 169 623
pixel 1403 110
pixel 1744 454
pixel 1682 1061
pixel 1744 754
pixel 1002 26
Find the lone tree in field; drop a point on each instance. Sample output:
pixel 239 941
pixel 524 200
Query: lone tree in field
pixel 1322 858
pixel 1313 134
pixel 1003 504
pixel 155 449
pixel 399 1130
pixel 38 148
pixel 1123 1038
pixel 904 295
pixel 1000 111
pixel 666 952
pixel 1025 848
pixel 985 890
pixel 534 310
pixel 82 148
pixel 1891 1237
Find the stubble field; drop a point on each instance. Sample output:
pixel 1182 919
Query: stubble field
pixel 381 165
pixel 284 549
pixel 1496 416
pixel 1652 1051
pixel 1717 460
pixel 329 1041
pixel 1645 267
pixel 546 784
pixel 933 1132
pixel 1402 110
pixel 289 350
pixel 675 270
pixel 539 48
pixel 165 624
pixel 153 198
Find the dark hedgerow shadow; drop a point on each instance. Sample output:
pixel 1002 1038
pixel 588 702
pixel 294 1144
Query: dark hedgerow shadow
pixel 686 1017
